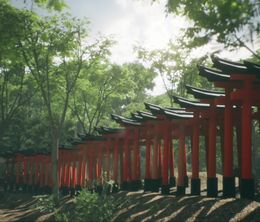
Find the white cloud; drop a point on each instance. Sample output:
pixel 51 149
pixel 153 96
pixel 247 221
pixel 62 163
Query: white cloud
pixel 143 23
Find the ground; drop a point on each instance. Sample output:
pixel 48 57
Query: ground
pixel 139 206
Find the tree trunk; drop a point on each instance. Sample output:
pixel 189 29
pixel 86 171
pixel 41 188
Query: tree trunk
pixel 55 176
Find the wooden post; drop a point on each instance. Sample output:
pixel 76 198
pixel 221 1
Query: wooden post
pixel 212 182
pixel 147 179
pixel 195 180
pixel 155 166
pixel 116 153
pixel 247 181
pixel 124 185
pixel 171 165
pixel 166 151
pixel 135 180
pixel 180 181
pixel 228 177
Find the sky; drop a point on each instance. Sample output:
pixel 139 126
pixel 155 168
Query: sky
pixel 130 23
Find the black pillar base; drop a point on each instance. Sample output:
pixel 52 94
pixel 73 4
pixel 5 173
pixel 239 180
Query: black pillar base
pixel 78 188
pixel 124 185
pixel 17 187
pixel 72 191
pixel 108 188
pixel 195 186
pixel 135 185
pixel 90 190
pixel 172 181
pixel 155 184
pixel 47 190
pixel 186 181
pixel 41 190
pixel 64 190
pixel 160 182
pixel 5 187
pixel 99 189
pixel 147 184
pixel 30 188
pixel 35 189
pixel 24 187
pixel 212 187
pixel 115 188
pixel 11 188
pixel 229 187
pixel 165 189
pixel 180 190
pixel 247 188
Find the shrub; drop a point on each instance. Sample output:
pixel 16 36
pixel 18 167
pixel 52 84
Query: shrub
pixel 89 207
pixel 45 204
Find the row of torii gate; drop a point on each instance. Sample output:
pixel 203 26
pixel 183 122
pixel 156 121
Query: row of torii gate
pixel 114 154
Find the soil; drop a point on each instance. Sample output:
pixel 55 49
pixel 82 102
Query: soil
pixel 140 206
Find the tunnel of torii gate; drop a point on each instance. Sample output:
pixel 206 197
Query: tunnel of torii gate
pixel 114 154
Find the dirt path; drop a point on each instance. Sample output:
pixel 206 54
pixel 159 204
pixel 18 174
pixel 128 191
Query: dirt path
pixel 139 206
pixel 19 207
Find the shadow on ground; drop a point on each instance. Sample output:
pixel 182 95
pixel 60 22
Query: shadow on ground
pixel 154 207
pixel 139 206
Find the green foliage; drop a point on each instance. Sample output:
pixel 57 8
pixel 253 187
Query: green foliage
pixel 232 23
pixel 52 78
pixel 89 207
pixel 109 88
pixel 56 5
pixel 45 204
pixel 13 78
pixel 176 67
pixel 162 100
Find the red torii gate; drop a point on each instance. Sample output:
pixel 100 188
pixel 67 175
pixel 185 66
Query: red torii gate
pixel 131 161
pixel 116 138
pixel 166 131
pixel 179 122
pixel 241 84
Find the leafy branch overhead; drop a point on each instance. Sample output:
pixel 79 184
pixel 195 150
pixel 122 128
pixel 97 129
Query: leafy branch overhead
pixel 232 23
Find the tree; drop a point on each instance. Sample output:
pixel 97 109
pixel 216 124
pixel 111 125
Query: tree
pixel 56 5
pixel 12 70
pixel 175 66
pixel 54 51
pixel 108 88
pixel 232 23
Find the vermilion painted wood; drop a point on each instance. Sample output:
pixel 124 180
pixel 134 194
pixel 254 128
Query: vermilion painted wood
pixel 246 149
pixel 181 160
pixel 126 168
pixel 212 143
pixel 135 153
pixel 108 144
pixel 116 154
pixel 171 159
pixel 195 145
pixel 90 154
pixel 160 158
pixel 18 162
pixel 84 166
pixel 148 155
pixel 74 168
pixel 228 135
pixel 99 161
pixel 155 166
pixel 166 152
